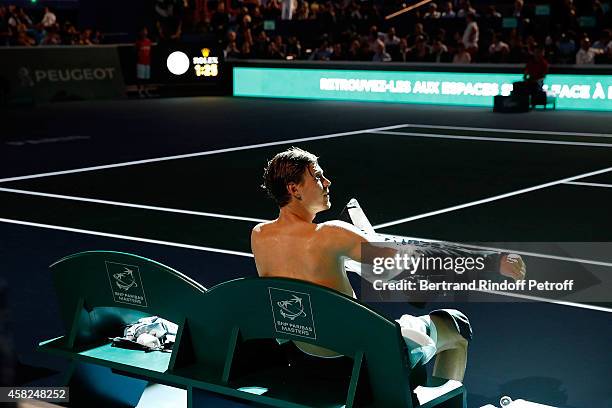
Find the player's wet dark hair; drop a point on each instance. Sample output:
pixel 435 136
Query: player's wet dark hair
pixel 284 168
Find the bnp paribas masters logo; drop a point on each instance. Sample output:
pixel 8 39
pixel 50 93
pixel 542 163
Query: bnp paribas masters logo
pixel 292 313
pixel 126 284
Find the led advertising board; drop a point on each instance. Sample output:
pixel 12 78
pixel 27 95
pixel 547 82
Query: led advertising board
pixel 579 92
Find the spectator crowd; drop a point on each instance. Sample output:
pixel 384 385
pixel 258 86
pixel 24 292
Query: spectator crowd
pixel 450 31
pixel 26 28
pixel 457 31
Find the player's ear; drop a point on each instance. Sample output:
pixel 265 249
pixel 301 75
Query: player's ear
pixel 294 190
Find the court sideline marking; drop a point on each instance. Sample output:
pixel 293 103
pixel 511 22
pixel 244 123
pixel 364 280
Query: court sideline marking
pixel 196 154
pixel 545 300
pixel 578 183
pixel 514 251
pixel 238 253
pixel 130 205
pixel 490 199
pixel 126 237
pixel 258 220
pixel 254 146
pixel 244 254
pixel 63 139
pixel 242 218
pixel 491 139
pixel 519 131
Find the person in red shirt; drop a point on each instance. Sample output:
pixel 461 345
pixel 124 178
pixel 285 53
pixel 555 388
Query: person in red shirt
pixel 143 61
pixel 537 67
pixel 535 71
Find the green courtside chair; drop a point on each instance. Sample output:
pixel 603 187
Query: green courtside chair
pixel 231 349
pixel 99 292
pixel 227 350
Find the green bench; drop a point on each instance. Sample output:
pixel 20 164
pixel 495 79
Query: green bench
pixel 227 345
pixel 99 293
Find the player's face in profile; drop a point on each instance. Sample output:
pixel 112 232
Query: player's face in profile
pixel 316 189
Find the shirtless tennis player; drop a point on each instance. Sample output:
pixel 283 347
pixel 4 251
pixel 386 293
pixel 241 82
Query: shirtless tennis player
pixel 293 246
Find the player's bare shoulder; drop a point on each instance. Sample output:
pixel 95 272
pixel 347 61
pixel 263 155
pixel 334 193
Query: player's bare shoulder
pixel 342 229
pixel 260 227
pixel 341 235
pixel 261 230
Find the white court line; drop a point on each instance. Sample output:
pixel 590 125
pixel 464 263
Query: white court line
pixel 238 253
pixel 249 219
pixel 130 205
pixel 491 139
pixel 545 300
pixel 490 199
pixel 519 131
pixel 126 237
pixel 197 154
pixel 579 183
pixel 63 139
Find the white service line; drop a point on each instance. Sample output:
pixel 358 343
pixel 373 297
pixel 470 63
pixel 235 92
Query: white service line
pixel 197 154
pixel 126 237
pixel 491 139
pixel 580 183
pixel 520 131
pixel 490 199
pixel 245 254
pixel 130 205
pixel 23 142
pixel 545 300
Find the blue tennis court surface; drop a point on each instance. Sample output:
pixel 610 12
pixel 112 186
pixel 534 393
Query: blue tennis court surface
pixel 178 182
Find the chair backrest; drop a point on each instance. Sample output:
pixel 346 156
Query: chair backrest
pixel 100 291
pixel 267 308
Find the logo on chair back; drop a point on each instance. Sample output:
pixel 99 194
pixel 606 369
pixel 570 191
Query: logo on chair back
pixel 126 284
pixel 292 313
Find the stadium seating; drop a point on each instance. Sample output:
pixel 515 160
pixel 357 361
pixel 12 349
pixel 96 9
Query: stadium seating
pixel 226 345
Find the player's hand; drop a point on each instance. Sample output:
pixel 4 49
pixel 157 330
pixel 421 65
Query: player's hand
pixel 512 266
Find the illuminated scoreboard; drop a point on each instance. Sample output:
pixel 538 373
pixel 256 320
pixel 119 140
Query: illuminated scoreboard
pixel 206 65
pixel 194 64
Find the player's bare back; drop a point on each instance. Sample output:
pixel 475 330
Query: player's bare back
pixel 301 250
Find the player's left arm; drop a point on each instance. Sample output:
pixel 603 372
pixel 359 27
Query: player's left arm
pixel 348 240
pixel 495 263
